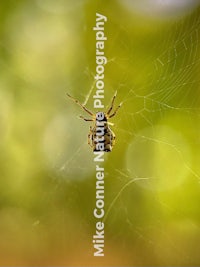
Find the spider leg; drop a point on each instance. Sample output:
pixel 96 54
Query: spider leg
pixel 89 136
pixel 86 119
pixel 112 104
pixel 89 139
pixel 115 112
pixel 82 106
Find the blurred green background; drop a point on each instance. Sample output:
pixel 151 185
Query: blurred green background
pixel 152 177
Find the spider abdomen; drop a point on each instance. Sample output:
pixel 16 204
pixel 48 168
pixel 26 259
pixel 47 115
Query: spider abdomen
pixel 104 141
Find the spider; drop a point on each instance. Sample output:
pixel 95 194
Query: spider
pixel 107 140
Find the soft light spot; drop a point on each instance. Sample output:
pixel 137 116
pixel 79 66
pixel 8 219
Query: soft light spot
pixel 160 154
pixel 162 9
pixel 66 149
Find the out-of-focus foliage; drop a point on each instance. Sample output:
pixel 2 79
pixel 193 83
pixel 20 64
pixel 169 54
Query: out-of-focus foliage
pixel 47 181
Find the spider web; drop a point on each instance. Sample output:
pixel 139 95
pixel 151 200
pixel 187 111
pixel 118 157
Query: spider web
pixel 157 133
pixel 160 126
